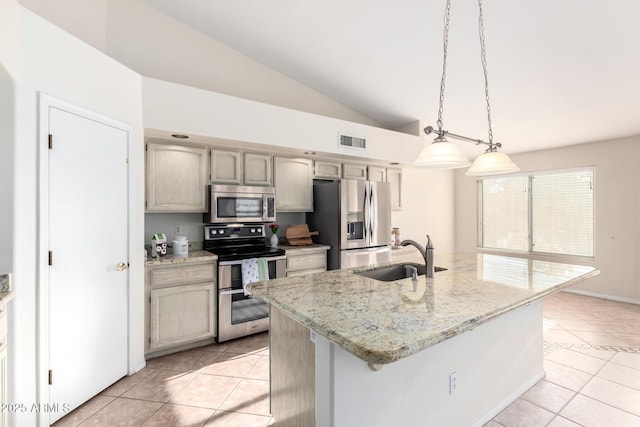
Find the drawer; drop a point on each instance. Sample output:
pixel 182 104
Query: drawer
pixel 305 272
pixel 307 261
pixel 182 275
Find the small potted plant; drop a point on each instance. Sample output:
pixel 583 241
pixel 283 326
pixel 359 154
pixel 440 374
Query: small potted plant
pixel 274 236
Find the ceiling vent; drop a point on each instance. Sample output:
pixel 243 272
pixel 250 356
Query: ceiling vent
pixel 352 141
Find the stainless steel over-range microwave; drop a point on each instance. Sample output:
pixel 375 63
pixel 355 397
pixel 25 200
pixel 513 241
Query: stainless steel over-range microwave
pixel 240 204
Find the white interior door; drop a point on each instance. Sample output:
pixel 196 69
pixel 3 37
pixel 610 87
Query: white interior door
pixel 88 234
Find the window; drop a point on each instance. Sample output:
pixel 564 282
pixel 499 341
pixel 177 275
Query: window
pixel 551 213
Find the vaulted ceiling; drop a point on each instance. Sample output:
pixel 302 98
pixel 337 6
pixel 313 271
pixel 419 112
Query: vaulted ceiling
pixel 560 72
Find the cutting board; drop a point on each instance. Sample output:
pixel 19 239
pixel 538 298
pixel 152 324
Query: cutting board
pixel 299 235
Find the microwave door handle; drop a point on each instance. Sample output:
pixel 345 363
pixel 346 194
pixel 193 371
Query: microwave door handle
pixel 265 204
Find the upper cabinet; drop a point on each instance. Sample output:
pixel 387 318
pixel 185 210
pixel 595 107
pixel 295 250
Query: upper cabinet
pixel 323 169
pixel 377 173
pixel 241 168
pixel 176 178
pixel 394 177
pixel 354 171
pixel 257 169
pixel 293 180
pixel 226 166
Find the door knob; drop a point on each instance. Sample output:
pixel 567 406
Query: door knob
pixel 122 266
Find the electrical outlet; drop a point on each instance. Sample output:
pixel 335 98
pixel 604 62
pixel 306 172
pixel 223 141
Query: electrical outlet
pixel 453 382
pixel 177 229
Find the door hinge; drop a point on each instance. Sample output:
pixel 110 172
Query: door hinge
pixel 50 376
pixel 50 258
pixel 50 142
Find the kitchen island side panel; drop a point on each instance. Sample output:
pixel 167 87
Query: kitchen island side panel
pixel 494 364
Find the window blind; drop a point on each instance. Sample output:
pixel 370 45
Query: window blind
pixel 550 212
pixel 563 213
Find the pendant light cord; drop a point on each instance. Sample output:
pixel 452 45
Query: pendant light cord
pixel 483 58
pixel 445 39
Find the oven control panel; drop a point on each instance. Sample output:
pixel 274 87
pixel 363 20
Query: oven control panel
pixel 217 232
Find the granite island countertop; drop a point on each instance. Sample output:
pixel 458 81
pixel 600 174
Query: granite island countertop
pixel 381 322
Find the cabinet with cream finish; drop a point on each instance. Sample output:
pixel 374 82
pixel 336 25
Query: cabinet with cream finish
pixel 325 169
pixel 241 168
pixel 182 305
pixel 257 169
pixel 293 180
pixel 176 178
pixel 377 173
pixel 303 260
pixel 226 166
pixel 394 177
pixel 354 171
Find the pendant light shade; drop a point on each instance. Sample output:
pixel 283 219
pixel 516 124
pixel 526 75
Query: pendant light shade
pixel 492 163
pixel 441 155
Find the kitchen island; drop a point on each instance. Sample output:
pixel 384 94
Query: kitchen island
pixel 454 350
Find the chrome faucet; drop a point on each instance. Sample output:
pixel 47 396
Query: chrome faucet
pixel 427 253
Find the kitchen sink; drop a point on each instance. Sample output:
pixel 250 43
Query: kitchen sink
pixel 396 272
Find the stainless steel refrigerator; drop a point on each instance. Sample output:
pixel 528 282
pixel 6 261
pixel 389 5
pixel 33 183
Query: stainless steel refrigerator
pixel 354 218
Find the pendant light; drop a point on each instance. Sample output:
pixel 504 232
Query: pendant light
pixel 443 154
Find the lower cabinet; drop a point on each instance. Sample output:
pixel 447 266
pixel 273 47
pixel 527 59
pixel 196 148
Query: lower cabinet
pixel 306 260
pixel 181 314
pixel 182 306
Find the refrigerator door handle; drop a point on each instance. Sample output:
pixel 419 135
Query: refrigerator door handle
pixel 372 211
pixel 366 212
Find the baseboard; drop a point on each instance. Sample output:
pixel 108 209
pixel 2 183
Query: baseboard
pixel 602 296
pixel 509 400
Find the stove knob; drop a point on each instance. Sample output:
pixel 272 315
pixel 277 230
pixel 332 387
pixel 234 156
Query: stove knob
pixel 221 231
pixel 253 230
pixel 212 232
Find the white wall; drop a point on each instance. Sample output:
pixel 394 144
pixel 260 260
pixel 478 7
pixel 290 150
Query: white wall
pixel 617 193
pixel 53 62
pixel 428 208
pixel 84 19
pixel 157 45
pixel 174 108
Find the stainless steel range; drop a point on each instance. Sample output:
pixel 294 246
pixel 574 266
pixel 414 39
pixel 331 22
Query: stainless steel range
pixel 237 245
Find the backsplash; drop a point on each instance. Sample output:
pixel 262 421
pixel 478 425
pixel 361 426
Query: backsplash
pixel 193 227
pixel 5 282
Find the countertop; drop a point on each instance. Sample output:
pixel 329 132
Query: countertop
pixel 192 256
pixel 381 322
pixel 6 294
pixel 314 247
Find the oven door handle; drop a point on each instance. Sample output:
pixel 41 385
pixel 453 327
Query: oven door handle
pixel 231 292
pixel 238 262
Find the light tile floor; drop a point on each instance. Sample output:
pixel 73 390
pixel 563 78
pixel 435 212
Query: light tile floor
pixel 592 365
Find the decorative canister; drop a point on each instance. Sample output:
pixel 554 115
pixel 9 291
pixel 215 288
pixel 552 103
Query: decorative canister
pixel 396 235
pixel 158 245
pixel 180 246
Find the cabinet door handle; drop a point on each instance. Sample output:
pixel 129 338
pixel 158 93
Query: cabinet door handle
pixel 122 266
